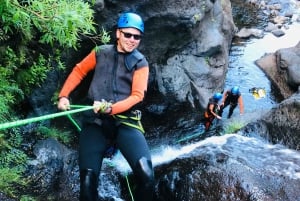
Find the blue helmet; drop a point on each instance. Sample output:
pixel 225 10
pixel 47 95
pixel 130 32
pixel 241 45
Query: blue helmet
pixel 131 20
pixel 217 97
pixel 235 90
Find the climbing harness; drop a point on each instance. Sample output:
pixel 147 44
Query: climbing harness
pixel 258 93
pixel 133 119
pixel 110 151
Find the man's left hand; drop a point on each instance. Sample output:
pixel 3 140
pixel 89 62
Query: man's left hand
pixel 102 106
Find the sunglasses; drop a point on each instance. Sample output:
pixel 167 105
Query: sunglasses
pixel 129 35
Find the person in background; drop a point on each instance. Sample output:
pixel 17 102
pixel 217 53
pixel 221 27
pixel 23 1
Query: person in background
pixel 232 97
pixel 212 110
pixel 119 84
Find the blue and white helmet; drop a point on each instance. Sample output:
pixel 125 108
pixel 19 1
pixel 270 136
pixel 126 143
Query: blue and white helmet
pixel 131 20
pixel 217 97
pixel 235 90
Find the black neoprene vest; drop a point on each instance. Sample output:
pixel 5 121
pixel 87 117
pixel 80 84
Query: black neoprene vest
pixel 112 80
pixel 232 98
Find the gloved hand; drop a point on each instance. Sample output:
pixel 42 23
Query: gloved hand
pixel 102 106
pixel 63 103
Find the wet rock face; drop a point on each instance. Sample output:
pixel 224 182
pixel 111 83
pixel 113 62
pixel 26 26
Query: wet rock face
pixel 288 63
pixel 225 172
pixel 5 198
pixel 282 67
pixel 224 168
pixel 268 64
pixel 281 124
pixel 54 171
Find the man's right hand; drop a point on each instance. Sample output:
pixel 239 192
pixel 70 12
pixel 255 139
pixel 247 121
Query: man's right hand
pixel 63 103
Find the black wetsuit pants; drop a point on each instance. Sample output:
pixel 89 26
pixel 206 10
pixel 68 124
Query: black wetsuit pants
pixel 96 139
pixel 231 108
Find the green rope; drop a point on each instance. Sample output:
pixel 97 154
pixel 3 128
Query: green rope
pixel 78 106
pixel 189 137
pixel 41 118
pixel 74 122
pixel 129 188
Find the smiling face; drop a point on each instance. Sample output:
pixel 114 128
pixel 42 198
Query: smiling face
pixel 128 39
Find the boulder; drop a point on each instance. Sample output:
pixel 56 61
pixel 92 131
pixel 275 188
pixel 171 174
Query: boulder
pixel 283 67
pixel 281 124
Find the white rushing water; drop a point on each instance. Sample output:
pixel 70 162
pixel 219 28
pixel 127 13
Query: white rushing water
pixel 244 73
pixel 251 152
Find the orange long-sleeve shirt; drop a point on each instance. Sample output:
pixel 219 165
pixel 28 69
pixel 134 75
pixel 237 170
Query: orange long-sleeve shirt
pixel 80 71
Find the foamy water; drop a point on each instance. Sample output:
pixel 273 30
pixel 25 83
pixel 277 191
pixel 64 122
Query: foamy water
pixel 254 153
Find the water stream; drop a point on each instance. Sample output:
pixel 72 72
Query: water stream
pixel 276 158
pixel 244 73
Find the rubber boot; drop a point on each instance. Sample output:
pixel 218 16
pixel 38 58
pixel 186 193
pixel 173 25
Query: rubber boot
pixel 88 185
pixel 145 175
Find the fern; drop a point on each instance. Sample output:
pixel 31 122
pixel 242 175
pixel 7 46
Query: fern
pixel 12 164
pixel 9 177
pixel 35 75
pixel 62 136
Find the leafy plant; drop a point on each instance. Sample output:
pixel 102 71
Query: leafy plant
pixel 105 37
pixel 27 198
pixel 33 35
pixel 9 177
pixel 3 143
pixel 62 136
pixel 57 21
pixel 12 164
pixel 35 75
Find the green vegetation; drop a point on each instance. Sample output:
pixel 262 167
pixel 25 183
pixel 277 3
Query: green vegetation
pixel 27 198
pixel 234 127
pixel 49 21
pixel 62 136
pixel 33 34
pixel 26 30
pixel 12 164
